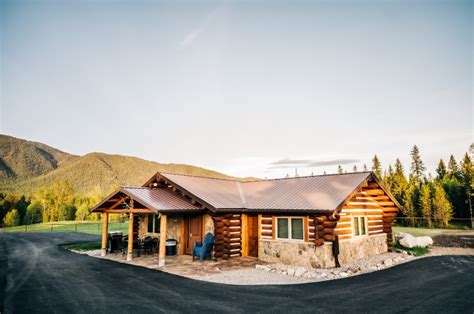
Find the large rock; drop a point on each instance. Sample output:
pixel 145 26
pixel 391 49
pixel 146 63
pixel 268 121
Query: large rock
pixel 409 241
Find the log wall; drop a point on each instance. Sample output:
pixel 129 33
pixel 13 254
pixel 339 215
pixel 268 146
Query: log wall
pixel 267 229
pixel 227 233
pixel 372 203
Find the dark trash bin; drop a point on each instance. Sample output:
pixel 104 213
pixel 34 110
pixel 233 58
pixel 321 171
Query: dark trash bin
pixel 171 247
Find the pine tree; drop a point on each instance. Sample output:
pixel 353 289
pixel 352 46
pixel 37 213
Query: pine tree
pixel 408 208
pixel 354 168
pixel 467 172
pixel 388 177
pixel 365 167
pixel 425 204
pixel 453 169
pixel 441 170
pixel 339 169
pixel 377 167
pixel 442 208
pixel 399 182
pixel 417 166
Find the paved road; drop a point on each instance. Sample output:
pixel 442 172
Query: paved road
pixel 38 276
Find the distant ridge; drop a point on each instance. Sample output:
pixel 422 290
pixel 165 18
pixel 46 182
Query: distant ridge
pixel 26 166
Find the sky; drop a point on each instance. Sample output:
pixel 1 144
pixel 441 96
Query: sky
pixel 248 88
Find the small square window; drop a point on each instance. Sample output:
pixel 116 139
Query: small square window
pixel 359 226
pixel 282 228
pixel 153 224
pixel 297 228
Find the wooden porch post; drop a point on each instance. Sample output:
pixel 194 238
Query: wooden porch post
pixel 105 227
pixel 245 237
pixel 130 237
pixel 162 252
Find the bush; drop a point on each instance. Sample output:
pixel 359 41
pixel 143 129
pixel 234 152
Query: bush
pixel 12 218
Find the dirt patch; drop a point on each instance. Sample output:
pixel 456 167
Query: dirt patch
pixel 460 240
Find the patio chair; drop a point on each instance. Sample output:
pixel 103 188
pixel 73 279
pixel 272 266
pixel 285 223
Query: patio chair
pixel 204 249
pixel 147 245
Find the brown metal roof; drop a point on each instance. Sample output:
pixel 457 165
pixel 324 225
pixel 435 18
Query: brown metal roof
pixel 314 193
pixel 154 199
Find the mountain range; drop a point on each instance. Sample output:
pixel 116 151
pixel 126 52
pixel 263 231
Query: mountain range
pixel 26 166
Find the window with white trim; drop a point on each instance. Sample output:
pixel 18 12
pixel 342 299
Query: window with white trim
pixel 153 224
pixel 360 228
pixel 290 228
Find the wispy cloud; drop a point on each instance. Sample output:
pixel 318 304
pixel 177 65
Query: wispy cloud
pixel 306 163
pixel 189 39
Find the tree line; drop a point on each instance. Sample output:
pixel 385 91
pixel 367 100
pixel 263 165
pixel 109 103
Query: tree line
pixel 427 200
pixel 56 202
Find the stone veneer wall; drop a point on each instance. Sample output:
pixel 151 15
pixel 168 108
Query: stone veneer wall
pixel 309 255
pixel 208 224
pixel 173 229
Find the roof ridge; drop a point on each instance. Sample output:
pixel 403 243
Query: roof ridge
pixel 263 180
pixel 198 176
pixel 317 175
pixel 134 187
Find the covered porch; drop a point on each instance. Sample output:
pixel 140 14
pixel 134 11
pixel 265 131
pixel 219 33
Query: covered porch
pixel 144 207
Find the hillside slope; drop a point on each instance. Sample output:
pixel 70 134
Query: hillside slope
pixel 32 165
pixel 21 159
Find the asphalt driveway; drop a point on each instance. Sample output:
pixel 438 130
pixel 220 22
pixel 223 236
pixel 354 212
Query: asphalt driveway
pixel 36 275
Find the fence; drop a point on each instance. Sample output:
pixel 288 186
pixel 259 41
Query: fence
pixel 85 227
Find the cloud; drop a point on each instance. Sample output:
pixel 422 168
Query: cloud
pixel 306 163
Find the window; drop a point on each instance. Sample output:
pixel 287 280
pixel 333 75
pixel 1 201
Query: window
pixel 359 226
pixel 290 228
pixel 153 224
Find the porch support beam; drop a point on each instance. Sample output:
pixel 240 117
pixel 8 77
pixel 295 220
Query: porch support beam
pixel 162 251
pixel 130 235
pixel 245 237
pixel 105 227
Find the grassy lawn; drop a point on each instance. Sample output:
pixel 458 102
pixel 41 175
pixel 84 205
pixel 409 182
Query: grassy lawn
pixel 418 232
pixel 87 246
pixel 91 227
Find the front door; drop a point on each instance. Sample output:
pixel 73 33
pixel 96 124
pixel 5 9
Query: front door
pixel 193 232
pixel 253 235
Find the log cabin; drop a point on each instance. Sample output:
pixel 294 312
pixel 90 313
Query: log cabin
pixel 315 221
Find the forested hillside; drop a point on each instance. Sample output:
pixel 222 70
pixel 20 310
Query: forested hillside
pixel 25 166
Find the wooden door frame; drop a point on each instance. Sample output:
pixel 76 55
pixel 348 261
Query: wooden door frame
pixel 257 231
pixel 186 220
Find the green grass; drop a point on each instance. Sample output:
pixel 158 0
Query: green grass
pixel 90 227
pixel 419 232
pixel 416 251
pixel 87 246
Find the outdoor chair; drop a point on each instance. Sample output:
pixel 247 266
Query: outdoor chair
pixel 147 245
pixel 204 249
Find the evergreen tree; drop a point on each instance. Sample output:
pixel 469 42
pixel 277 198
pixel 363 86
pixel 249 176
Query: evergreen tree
pixel 453 169
pixel 441 170
pixel 388 177
pixel 417 166
pixel 425 204
pixel 408 208
pixel 365 168
pixel 354 168
pixel 399 182
pixel 377 167
pixel 442 208
pixel 467 172
pixel 339 169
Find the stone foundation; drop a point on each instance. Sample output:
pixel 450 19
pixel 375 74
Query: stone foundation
pixel 309 255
